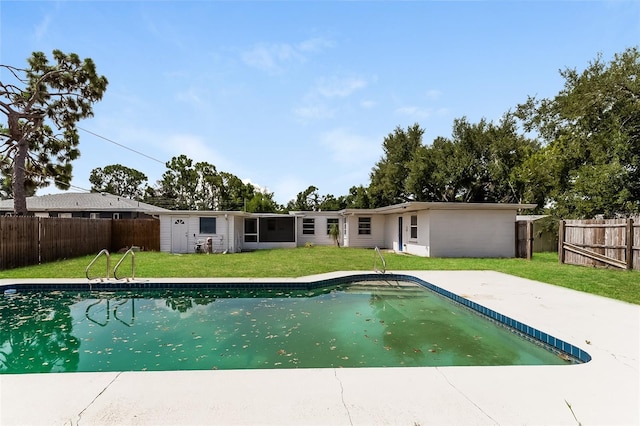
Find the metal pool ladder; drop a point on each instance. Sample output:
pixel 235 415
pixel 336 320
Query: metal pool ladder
pixel 133 264
pixel 103 252
pixel 375 262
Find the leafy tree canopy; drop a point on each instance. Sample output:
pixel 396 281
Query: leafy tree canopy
pixel 186 185
pixel 42 105
pixel 118 180
pixel 480 163
pixel 592 135
pixel 389 174
pixel 307 200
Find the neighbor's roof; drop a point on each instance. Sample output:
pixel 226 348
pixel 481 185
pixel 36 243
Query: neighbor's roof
pixel 77 201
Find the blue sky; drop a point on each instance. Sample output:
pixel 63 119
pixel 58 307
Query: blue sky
pixel 289 94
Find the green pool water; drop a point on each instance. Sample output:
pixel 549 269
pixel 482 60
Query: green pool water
pixel 355 325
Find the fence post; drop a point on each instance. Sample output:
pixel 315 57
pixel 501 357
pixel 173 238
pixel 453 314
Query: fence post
pixel 529 239
pixel 629 238
pixel 561 242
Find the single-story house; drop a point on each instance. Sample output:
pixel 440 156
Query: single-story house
pixel 93 205
pixel 420 228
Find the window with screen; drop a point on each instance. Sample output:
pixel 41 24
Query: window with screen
pixel 207 225
pixel 308 226
pixel 364 226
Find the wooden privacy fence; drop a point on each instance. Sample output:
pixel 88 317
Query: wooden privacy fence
pixel 144 233
pixel 600 242
pixel 29 240
pixel 524 239
pixel 533 236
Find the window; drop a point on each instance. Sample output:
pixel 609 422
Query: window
pixel 330 223
pixel 116 216
pixel 251 230
pixel 207 225
pixel 414 226
pixel 308 226
pixel 277 230
pixel 364 226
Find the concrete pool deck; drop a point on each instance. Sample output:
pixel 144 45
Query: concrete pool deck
pixel 604 391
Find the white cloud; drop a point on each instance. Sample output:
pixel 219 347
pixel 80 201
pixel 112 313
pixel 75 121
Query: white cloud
pixel 368 104
pixel 433 94
pixel 314 112
pixel 287 188
pixel 316 103
pixel 270 57
pixel 350 149
pixel 413 111
pixel 273 57
pixel 258 188
pixel 190 96
pixel 314 44
pixel 42 28
pixel 339 87
pixel 195 148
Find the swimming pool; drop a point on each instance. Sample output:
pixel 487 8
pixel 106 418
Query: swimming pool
pixel 357 321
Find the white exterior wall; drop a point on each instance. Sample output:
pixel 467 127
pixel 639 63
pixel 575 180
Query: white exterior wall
pixel 320 236
pixel 225 227
pixel 442 232
pixel 375 239
pixel 417 246
pixel 165 234
pixel 237 234
pixel 472 233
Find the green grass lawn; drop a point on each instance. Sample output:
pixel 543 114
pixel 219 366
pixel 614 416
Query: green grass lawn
pixel 622 285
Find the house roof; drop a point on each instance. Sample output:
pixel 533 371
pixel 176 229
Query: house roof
pixel 531 217
pixel 77 201
pixel 413 206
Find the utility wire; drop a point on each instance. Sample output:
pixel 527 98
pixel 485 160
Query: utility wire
pixel 101 137
pixel 122 146
pixel 53 179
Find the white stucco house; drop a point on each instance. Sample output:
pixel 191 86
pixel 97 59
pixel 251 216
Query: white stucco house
pixel 419 228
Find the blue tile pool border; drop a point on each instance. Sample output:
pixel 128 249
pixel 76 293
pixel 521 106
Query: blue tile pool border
pixel 563 349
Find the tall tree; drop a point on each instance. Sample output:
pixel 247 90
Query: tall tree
pixel 199 186
pixel 592 132
pixel 480 163
pixel 307 200
pixel 179 183
pixel 262 202
pixel 42 105
pixel 389 174
pixel 208 187
pixel 358 198
pixel 118 180
pixel 235 193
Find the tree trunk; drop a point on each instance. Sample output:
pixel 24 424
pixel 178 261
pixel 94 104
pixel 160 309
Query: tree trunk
pixel 19 164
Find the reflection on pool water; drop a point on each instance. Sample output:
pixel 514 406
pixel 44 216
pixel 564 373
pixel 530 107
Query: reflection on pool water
pixel 359 324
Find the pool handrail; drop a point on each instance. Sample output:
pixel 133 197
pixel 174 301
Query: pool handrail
pixel 133 264
pixel 375 262
pixel 102 252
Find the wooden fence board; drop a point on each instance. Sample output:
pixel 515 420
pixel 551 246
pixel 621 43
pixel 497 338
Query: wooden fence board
pixel 29 240
pixel 17 235
pixel 600 242
pixel 144 233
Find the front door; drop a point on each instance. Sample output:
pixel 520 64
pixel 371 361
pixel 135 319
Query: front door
pixel 179 235
pixel 400 233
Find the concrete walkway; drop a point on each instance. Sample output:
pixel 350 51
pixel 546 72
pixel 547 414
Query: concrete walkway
pixel 604 391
